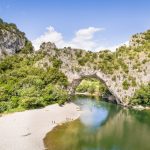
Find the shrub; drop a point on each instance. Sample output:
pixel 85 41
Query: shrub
pixel 125 85
pixel 28 48
pixel 114 78
pixel 133 83
pixel 30 102
pixel 91 86
pixel 6 64
pixel 82 61
pixel 3 106
pixel 53 94
pixel 91 89
pixel 141 96
pixel 56 63
pixel 22 85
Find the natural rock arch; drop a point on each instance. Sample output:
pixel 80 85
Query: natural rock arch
pixel 129 64
pixel 77 64
pixel 74 84
pixel 75 80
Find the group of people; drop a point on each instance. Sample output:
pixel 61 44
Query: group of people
pixel 67 119
pixel 53 121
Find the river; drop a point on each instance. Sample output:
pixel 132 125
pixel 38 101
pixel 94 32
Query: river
pixel 102 126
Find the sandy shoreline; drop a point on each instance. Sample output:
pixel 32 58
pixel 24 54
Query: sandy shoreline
pixel 26 130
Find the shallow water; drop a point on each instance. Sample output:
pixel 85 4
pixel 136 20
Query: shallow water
pixel 102 126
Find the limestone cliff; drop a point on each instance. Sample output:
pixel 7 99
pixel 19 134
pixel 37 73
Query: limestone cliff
pixel 123 71
pixel 11 39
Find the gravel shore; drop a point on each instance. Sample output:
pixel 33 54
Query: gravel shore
pixel 26 130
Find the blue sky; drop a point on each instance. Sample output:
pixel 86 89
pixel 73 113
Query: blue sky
pixel 106 22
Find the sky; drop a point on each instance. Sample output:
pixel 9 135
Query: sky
pixel 86 24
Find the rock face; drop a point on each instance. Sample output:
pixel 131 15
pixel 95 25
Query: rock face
pixel 11 39
pixel 139 39
pixel 75 80
pixel 48 46
pixel 77 64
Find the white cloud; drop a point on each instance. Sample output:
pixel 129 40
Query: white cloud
pixel 112 48
pixel 83 39
pixel 87 34
pixel 50 35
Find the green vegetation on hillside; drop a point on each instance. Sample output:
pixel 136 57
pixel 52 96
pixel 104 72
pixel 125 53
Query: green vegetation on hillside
pixel 32 79
pixel 141 96
pixel 91 86
pixel 11 27
pixel 28 48
pixel 23 86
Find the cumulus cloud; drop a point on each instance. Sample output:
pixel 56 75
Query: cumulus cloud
pixel 83 39
pixel 50 35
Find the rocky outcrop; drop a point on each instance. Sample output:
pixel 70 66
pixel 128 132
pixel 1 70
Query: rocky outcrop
pixel 77 64
pixel 139 39
pixel 47 46
pixel 123 72
pixel 75 80
pixel 11 39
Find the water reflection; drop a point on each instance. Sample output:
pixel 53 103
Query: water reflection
pixel 106 127
pixel 93 114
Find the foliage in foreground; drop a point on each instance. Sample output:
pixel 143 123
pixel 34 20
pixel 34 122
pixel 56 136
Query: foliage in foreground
pixel 23 86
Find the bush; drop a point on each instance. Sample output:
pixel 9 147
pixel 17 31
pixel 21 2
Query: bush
pixel 91 89
pixel 81 61
pixel 3 106
pixel 53 94
pixel 30 102
pixel 28 48
pixel 5 64
pixel 125 85
pixel 141 96
pixel 23 86
pixel 56 63
pixel 92 86
pixel 53 75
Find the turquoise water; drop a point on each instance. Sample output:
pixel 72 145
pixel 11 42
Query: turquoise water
pixel 102 126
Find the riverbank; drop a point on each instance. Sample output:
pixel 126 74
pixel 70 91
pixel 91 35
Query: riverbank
pixel 135 107
pixel 87 94
pixel 26 130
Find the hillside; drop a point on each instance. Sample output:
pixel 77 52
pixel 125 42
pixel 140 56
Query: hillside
pixel 123 71
pixel 30 79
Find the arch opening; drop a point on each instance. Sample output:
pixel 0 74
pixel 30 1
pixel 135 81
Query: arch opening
pixel 92 86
